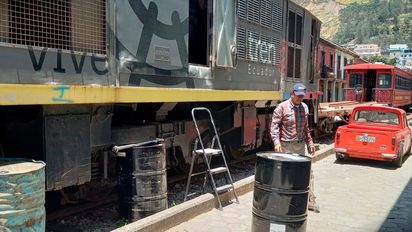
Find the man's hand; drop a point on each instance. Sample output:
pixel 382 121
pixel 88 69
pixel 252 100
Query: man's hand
pixel 312 150
pixel 278 148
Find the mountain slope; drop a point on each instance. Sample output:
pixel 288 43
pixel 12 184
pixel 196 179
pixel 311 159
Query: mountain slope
pixel 363 21
pixel 327 11
pixel 381 22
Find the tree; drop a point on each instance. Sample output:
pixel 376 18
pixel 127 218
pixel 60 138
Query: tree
pixel 383 59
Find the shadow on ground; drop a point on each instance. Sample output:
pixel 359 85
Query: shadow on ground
pixel 371 163
pixel 400 216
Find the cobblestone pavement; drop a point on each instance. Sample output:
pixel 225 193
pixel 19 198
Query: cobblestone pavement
pixel 357 195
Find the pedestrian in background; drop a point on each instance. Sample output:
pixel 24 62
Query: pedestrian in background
pixel 290 131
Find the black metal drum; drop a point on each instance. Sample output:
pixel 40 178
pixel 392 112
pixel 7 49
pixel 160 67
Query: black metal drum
pixel 142 182
pixel 281 192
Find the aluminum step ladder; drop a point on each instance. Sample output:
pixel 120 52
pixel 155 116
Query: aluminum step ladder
pixel 208 153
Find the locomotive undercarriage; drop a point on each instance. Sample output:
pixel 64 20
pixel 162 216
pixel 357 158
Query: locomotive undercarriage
pixel 75 141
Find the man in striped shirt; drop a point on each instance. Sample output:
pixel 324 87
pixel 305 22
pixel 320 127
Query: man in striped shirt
pixel 290 130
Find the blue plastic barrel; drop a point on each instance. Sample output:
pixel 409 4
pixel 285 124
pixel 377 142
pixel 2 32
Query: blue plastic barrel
pixel 22 195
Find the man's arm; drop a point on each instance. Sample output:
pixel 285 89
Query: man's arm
pixel 275 126
pixel 309 140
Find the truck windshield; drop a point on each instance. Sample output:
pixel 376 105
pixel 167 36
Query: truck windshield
pixel 375 116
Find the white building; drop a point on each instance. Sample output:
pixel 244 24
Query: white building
pixel 398 47
pixel 367 50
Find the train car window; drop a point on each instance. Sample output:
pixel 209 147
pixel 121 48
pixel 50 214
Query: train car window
pixel 384 80
pixel 355 79
pixel 198 32
pixel 68 25
pixel 402 82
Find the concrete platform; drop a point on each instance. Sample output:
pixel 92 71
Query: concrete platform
pixel 176 215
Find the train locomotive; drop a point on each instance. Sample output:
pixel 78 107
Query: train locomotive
pixel 78 77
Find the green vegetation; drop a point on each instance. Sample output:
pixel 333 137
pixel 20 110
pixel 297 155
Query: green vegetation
pixel 347 2
pixel 380 22
pixel 122 222
pixel 382 59
pixel 172 204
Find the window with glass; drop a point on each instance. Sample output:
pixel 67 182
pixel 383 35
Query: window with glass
pixel 375 116
pixel 295 27
pixel 384 80
pixel 355 80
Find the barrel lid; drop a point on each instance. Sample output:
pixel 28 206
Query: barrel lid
pixel 287 157
pixel 10 167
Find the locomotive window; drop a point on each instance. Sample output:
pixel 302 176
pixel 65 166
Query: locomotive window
pixel 355 80
pixel 297 62
pixel 291 25
pixel 384 80
pixel 291 58
pixel 299 29
pixel 68 25
pixel 295 24
pixel 198 32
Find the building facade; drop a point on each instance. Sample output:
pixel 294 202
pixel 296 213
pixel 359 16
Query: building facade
pixel 331 77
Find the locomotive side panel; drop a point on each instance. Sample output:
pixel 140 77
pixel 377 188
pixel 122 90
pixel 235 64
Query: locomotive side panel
pixel 259 36
pixel 152 42
pixel 159 45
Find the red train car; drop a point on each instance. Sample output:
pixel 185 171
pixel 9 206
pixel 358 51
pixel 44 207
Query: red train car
pixel 379 82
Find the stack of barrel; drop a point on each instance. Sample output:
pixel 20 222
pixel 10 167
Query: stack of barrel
pixel 142 183
pixel 281 192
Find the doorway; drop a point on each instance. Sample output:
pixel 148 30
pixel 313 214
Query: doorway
pixel 370 83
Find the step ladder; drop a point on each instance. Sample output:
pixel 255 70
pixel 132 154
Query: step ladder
pixel 207 154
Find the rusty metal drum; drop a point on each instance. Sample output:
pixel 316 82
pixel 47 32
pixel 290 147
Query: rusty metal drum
pixel 281 192
pixel 22 195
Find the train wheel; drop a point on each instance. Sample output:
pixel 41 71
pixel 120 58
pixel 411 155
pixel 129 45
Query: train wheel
pixel 234 153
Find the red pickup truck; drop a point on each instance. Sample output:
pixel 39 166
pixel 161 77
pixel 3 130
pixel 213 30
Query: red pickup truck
pixel 375 132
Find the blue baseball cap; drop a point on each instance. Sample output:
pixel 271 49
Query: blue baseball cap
pixel 299 89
